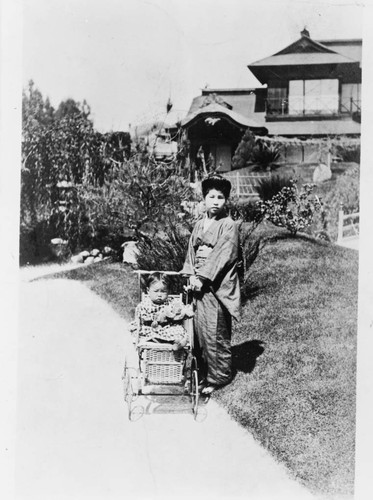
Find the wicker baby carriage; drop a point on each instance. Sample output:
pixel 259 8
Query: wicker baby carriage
pixel 162 370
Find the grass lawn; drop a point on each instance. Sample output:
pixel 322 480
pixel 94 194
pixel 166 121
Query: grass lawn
pixel 294 351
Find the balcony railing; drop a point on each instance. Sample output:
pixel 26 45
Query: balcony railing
pixel 350 106
pixel 311 105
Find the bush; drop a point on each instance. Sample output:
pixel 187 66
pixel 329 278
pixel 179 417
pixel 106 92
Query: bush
pixel 349 153
pixel 248 217
pixel 267 188
pixel 246 211
pixel 62 155
pixel 265 156
pixel 34 243
pixel 135 201
pixel 346 191
pixel 249 250
pixel 69 220
pixel 243 153
pixel 167 250
pixel 290 208
pixel 85 187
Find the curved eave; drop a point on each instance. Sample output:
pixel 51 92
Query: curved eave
pixel 231 117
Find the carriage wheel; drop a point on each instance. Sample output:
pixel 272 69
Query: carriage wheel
pixel 127 389
pixel 194 392
pixel 129 392
pixel 136 413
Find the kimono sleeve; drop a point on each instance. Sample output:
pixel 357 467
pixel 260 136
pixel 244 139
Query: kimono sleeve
pixel 223 255
pixel 188 268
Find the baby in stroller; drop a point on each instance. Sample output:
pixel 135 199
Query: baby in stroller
pixel 159 318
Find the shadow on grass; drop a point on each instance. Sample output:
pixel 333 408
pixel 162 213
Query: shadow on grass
pixel 244 355
pixel 250 291
pixel 294 237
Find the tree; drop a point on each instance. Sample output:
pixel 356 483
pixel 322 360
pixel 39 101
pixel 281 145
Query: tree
pixel 57 147
pixel 37 123
pixel 243 153
pixel 70 108
pixel 116 146
pixel 137 197
pixel 86 187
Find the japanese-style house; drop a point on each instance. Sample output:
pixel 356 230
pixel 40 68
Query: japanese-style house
pixel 216 123
pixel 311 89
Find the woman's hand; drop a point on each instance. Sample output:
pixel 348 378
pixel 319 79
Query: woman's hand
pixel 192 282
pixel 196 283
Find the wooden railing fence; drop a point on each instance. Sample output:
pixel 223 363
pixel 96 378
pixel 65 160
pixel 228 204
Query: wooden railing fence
pixel 348 225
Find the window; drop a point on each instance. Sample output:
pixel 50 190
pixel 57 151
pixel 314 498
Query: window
pixel 296 97
pixel 313 96
pixel 350 98
pixel 277 100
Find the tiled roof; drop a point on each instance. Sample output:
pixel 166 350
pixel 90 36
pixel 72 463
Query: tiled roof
pixel 302 59
pixel 348 48
pixel 307 51
pixel 303 44
pixel 341 41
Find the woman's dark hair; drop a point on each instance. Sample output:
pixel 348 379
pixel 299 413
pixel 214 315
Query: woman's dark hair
pixel 157 278
pixel 216 181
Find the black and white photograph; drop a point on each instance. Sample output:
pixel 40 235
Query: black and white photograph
pixel 187 286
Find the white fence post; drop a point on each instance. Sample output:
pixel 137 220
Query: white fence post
pixel 340 224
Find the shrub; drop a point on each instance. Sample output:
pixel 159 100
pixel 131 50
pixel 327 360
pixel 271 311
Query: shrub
pixel 249 249
pixel 85 187
pixel 349 153
pixel 135 201
pixel 69 220
pixel 166 251
pixel 34 243
pixel 346 191
pixel 267 188
pixel 243 153
pixel 247 211
pixel 61 147
pixel 290 208
pixel 265 156
pixel 248 217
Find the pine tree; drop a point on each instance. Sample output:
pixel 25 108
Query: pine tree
pixel 244 151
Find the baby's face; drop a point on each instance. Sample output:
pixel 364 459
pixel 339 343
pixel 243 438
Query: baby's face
pixel 158 292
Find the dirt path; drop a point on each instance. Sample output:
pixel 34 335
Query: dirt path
pixel 74 440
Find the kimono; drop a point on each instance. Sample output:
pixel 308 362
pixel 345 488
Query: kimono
pixel 212 255
pixel 153 323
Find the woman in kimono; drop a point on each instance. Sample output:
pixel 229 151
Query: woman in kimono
pixel 211 264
